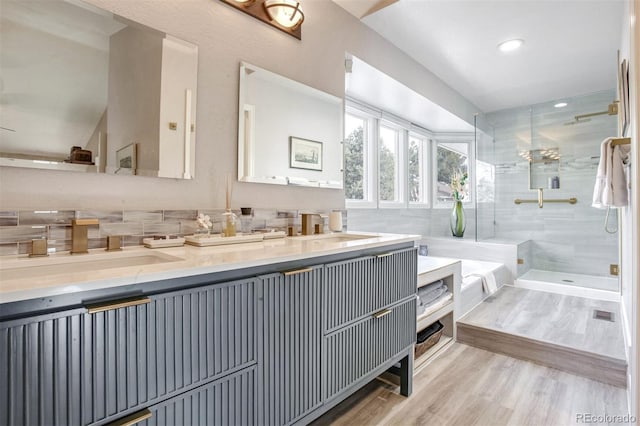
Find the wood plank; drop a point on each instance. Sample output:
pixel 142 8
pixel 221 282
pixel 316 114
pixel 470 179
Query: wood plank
pixel 594 366
pixel 471 386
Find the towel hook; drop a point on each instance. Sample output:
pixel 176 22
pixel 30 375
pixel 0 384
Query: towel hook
pixel 606 223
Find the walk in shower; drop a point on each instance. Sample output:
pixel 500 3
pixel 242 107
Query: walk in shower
pixel 542 152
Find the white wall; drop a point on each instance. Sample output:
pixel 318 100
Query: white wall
pixel 226 36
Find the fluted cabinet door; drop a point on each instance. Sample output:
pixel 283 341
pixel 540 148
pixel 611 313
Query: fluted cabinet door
pixel 289 339
pixel 77 368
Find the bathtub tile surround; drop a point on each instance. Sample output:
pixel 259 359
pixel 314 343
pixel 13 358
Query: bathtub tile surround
pixel 18 228
pixel 564 237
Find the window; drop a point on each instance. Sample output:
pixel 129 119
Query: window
pixel 417 171
pixel 354 157
pixel 451 158
pixel 389 165
pixel 358 169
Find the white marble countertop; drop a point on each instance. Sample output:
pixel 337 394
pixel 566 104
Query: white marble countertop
pixel 24 278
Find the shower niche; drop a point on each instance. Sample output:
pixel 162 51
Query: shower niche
pixel 544 168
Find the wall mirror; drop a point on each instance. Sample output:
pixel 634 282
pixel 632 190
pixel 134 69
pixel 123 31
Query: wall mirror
pixel 544 168
pixel 288 133
pixel 85 90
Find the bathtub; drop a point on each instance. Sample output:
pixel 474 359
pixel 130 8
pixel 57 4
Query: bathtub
pixel 471 291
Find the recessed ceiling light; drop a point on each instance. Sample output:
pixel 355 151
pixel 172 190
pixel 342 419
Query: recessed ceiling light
pixel 560 105
pixel 510 45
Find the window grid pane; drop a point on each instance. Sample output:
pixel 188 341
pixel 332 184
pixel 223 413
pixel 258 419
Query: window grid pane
pixel 415 172
pixel 388 164
pixel 355 170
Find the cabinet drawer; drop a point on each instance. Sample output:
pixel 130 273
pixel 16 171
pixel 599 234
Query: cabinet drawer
pixel 77 367
pixel 354 351
pixel 228 401
pixel 356 288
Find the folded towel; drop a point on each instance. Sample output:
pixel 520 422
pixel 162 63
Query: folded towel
pixel 436 304
pixel 601 176
pixel 431 291
pixel 489 284
pixel 431 286
pixel 430 296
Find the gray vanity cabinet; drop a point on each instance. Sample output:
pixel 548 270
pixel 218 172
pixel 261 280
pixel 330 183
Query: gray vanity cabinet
pixel 289 342
pixel 77 367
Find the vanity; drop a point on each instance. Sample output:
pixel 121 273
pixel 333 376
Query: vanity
pixel 274 332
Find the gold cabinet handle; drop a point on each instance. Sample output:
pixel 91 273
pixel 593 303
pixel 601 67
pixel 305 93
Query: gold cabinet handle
pixel 108 306
pixel 297 271
pixel 382 313
pixel 132 419
pixel 383 255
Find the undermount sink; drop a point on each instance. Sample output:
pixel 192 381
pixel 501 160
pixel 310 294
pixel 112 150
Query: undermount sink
pixel 65 264
pixel 335 238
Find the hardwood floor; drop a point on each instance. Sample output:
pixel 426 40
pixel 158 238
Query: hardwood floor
pixel 470 386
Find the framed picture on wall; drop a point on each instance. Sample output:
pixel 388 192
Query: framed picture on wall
pixel 305 154
pixel 126 160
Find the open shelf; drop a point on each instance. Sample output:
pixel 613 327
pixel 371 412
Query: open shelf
pixel 445 341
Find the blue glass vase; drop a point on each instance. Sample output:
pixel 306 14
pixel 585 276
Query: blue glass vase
pixel 457 221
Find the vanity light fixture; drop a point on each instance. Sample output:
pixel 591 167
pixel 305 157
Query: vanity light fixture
pixel 285 15
pixel 560 105
pixel 510 45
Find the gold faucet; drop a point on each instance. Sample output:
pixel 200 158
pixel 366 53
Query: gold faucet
pixel 307 224
pixel 79 235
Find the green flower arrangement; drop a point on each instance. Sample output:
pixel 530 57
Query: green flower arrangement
pixel 459 185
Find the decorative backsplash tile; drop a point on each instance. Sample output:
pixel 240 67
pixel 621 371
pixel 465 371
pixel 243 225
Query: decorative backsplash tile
pixel 45 217
pixel 18 228
pixel 8 218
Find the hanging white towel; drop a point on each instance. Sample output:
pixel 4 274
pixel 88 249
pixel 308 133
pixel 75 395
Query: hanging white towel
pixel 601 177
pixel 618 181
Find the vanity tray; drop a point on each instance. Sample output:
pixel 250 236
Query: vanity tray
pixel 163 242
pixel 218 239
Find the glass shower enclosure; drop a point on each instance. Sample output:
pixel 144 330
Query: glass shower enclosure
pixel 535 173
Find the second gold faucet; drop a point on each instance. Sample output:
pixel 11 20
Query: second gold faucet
pixel 80 235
